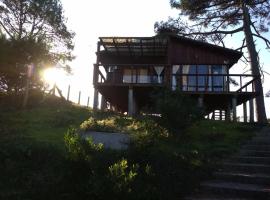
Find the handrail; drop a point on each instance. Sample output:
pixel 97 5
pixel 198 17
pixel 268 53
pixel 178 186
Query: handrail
pixel 187 82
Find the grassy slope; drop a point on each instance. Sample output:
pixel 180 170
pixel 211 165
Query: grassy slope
pixel 33 162
pixel 46 124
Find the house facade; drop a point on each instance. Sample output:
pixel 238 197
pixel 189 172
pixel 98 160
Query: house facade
pixel 128 69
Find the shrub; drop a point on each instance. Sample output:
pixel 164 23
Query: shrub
pixel 79 148
pixel 177 110
pixel 122 176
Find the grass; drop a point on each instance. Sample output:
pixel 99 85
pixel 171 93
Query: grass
pixel 35 164
pixel 45 124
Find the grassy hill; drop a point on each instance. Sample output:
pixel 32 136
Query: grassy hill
pixel 38 160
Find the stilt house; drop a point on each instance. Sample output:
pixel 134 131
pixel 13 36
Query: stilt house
pixel 129 68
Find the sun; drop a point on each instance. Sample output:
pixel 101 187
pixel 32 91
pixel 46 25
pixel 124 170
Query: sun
pixel 54 76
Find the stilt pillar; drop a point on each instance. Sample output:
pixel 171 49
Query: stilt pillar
pixel 234 104
pixel 200 101
pixel 95 104
pixel 228 112
pixel 130 102
pixel 251 111
pixel 214 115
pixel 245 112
pixel 103 103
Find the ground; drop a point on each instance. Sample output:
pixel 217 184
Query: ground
pixel 39 160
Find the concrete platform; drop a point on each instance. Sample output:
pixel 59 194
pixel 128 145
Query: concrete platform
pixel 117 141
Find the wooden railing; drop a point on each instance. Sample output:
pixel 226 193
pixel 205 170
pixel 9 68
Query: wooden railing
pixel 213 83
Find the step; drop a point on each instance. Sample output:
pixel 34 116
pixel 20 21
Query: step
pixel 251 159
pixel 245 152
pixel 260 140
pixel 256 147
pixel 214 197
pixel 249 178
pixel 234 189
pixel 245 167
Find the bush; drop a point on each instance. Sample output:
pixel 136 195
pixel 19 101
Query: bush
pixel 177 110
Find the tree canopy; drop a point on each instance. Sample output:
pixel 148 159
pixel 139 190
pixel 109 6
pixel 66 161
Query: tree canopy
pixel 32 31
pixel 216 20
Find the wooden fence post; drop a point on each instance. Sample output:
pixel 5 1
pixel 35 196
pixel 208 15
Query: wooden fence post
pixel 88 101
pixel 68 93
pixel 79 100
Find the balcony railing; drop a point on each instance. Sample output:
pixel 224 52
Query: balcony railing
pixel 213 83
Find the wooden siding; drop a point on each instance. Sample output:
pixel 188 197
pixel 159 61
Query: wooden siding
pixel 182 52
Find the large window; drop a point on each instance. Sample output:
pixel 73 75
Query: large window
pixel 128 76
pixel 143 76
pixel 199 77
pixel 218 81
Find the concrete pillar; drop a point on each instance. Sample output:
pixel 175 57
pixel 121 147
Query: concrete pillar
pixel 200 101
pixel 220 115
pixel 245 111
pixel 95 104
pixel 234 104
pixel 251 111
pixel 130 102
pixel 228 111
pixel 214 115
pixel 103 103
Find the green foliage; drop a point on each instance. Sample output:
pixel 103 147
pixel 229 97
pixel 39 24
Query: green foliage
pixel 37 164
pixel 31 31
pixel 142 126
pixel 177 110
pixel 79 148
pixel 121 176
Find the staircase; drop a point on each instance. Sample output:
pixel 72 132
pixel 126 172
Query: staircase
pixel 244 176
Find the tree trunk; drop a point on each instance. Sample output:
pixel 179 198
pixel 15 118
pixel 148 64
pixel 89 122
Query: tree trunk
pixel 255 67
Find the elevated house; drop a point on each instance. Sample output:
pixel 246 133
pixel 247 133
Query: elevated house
pixel 129 68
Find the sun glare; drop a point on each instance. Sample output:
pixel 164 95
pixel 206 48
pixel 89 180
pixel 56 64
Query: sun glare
pixel 53 76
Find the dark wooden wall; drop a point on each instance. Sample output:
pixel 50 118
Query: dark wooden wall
pixel 183 52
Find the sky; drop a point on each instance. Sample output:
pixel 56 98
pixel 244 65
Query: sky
pixel 91 19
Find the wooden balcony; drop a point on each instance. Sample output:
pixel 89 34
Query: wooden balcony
pixel 187 83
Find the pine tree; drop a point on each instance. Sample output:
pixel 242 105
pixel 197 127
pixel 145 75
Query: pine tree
pixel 214 20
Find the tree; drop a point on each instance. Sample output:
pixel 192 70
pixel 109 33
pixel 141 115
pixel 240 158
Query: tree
pixel 215 20
pixel 33 31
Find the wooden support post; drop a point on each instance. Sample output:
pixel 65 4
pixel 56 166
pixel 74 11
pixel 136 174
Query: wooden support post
pixel 214 115
pixel 95 103
pixel 251 111
pixel 88 99
pixel 234 104
pixel 54 88
pixel 130 102
pixel 68 93
pixel 245 111
pixel 79 99
pixel 220 115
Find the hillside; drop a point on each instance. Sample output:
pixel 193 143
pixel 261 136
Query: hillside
pixel 40 161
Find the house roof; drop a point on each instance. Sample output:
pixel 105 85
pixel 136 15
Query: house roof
pixel 154 46
pixel 135 46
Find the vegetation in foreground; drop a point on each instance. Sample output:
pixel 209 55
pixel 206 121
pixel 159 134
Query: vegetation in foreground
pixel 39 162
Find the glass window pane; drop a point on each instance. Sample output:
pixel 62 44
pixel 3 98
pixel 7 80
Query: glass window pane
pixel 217 80
pixel 203 81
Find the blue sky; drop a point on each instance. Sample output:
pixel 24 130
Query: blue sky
pixel 90 19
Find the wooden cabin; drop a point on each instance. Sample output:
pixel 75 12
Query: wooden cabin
pixel 129 68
